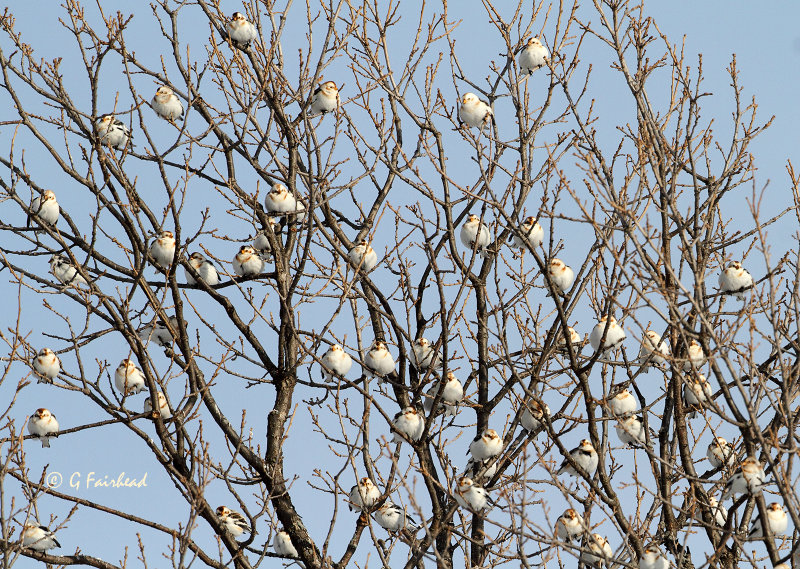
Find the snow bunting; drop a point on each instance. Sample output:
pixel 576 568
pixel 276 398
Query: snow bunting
pixel 778 522
pixel 654 350
pixel 247 262
pixel 471 496
pixel 207 272
pixel 364 495
pixel 529 235
pixel 335 362
pixel 735 280
pixel 158 332
pixel 475 234
pixel 43 424
pixel 533 56
pixel 240 30
pixel 408 422
pixel 533 414
pixel 129 379
pixel 233 522
pixel 585 456
pixel 696 394
pixel 166 104
pixel 63 270
pixel 112 132
pixel 163 407
pixel 378 361
pixel 720 452
pixel 599 550
pixel 423 355
pixel 623 403
pixel 569 526
pixel 486 468
pixel 46 207
pixel 282 544
pixel 748 478
pixel 38 538
pixel 574 338
pixel 452 394
pixel 46 365
pixel 630 430
pixel 363 256
pixel 163 249
pixel 280 200
pixel 561 275
pixel 325 98
pixel 653 558
pixel 486 445
pixel 261 241
pixel 696 356
pixel 719 512
pixel 393 518
pixel 473 111
pixel 613 337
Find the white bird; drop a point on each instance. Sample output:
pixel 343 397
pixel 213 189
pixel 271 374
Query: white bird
pixel 158 331
pixel 247 262
pixel 720 452
pixel 561 275
pixel 696 357
pixel 735 280
pixel 719 511
pixel 280 200
pixel 112 132
pixel 261 241
pixel 282 544
pixel 529 235
pixel 471 496
pixel 240 30
pixel 487 468
pixel 163 407
pixel 474 112
pixel 38 538
pixel 46 207
pixel 325 98
pixel 533 414
pixel 423 355
pixel 613 337
pixel 748 478
pixel 166 104
pixel 46 365
pixel 654 350
pixel 129 379
pixel 778 522
pixel 363 256
pixel 475 234
pixel 378 361
pixel 585 456
pixel 408 422
pixel 207 272
pixel 43 424
pixel 533 56
pixel 335 361
pixel 599 550
pixel 163 249
pixel 233 522
pixel 569 526
pixel 486 445
pixel 623 403
pixel 696 394
pixel 452 394
pixel 65 272
pixel 364 495
pixel 653 558
pixel 393 518
pixel 574 338
pixel 630 430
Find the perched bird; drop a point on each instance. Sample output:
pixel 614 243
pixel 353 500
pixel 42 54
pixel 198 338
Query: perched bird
pixel 735 280
pixel 574 338
pixel 778 522
pixel 475 234
pixel 473 111
pixel 158 331
pixel 207 272
pixel 112 132
pixel 749 477
pixel 378 361
pixel 599 551
pixel 585 456
pixel 46 365
pixel 719 511
pixel 533 414
pixel 529 235
pixel 408 422
pixel 38 538
pixel 630 430
pixel 129 379
pixel 280 200
pixel 614 335
pixel 654 350
pixel 486 468
pixel 46 207
pixel 163 407
pixel 623 403
pixel 363 256
pixel 282 544
pixel 65 272
pixel 163 249
pixel 335 362
pixel 486 445
pixel 261 241
pixel 233 522
pixel 561 275
pixel 240 30
pixel 720 452
pixel 653 558
pixel 166 104
pixel 471 496
pixel 247 262
pixel 696 394
pixel 696 357
pixel 423 356
pixel 393 518
pixel 325 98
pixel 364 495
pixel 452 394
pixel 533 56
pixel 43 424
pixel 569 526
